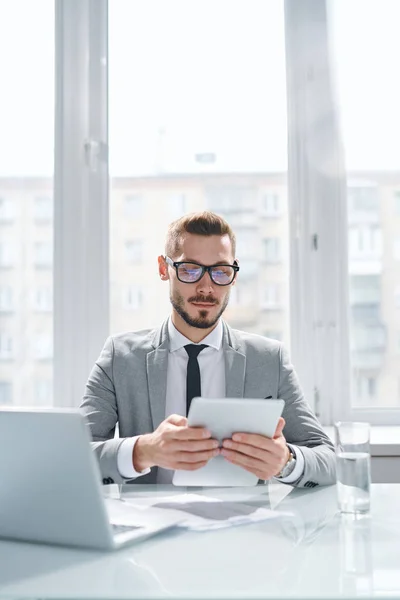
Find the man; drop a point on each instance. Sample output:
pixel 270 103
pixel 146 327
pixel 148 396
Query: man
pixel 144 381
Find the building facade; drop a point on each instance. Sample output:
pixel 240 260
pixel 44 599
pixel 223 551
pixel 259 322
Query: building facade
pixel 255 204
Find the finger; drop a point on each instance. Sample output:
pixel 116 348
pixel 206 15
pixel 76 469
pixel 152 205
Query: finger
pixel 196 446
pixel 255 440
pixel 253 451
pixel 279 427
pixel 190 433
pixel 193 457
pixel 250 464
pixel 177 420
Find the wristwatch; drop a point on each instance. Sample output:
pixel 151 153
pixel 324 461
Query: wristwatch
pixel 289 466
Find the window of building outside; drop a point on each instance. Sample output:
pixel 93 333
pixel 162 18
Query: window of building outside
pixel 42 346
pixel 271 205
pixel 43 392
pixel 272 249
pixel 6 347
pixel 396 248
pixel 7 254
pixel 6 298
pixel 42 299
pixel 134 251
pixel 199 130
pixel 397 202
pixel 271 296
pixel 6 395
pixel 26 180
pixel 133 297
pixel 368 105
pixel 176 205
pixel 43 254
pixel 7 210
pixel 43 209
pixel 134 205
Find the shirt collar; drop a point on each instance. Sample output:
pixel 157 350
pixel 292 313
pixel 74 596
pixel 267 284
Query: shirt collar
pixel 177 340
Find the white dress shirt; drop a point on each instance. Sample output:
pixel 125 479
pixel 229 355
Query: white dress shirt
pixel 212 373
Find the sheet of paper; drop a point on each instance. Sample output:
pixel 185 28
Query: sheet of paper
pixel 121 513
pixel 200 512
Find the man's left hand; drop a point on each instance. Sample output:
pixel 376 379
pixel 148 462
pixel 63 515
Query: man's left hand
pixel 264 457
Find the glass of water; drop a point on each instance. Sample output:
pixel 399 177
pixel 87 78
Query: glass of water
pixel 353 466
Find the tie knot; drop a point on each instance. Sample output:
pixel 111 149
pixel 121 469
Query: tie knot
pixel 194 350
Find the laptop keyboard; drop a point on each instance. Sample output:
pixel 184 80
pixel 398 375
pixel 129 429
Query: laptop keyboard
pixel 124 528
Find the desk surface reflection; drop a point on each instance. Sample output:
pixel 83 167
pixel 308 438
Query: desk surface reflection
pixel 315 553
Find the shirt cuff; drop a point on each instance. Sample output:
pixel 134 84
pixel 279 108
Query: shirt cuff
pixel 124 459
pixel 299 468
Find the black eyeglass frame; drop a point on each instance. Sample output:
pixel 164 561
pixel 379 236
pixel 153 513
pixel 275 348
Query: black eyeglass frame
pixel 204 269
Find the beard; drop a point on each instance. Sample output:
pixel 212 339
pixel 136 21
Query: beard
pixel 202 321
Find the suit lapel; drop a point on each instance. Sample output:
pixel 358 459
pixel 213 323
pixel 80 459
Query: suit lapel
pixel 235 365
pixel 157 367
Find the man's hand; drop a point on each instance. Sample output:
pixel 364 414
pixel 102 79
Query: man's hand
pixel 263 456
pixel 174 445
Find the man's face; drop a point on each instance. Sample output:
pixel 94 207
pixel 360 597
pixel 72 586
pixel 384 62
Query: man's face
pixel 202 303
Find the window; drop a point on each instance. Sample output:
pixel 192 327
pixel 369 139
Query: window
pixel 365 290
pixel 43 209
pixel 27 118
pixel 246 244
pixel 7 254
pixel 134 251
pixel 43 346
pixel 176 206
pixel 7 210
pixel 365 242
pixel 370 120
pixel 43 392
pixel 134 206
pixel 43 254
pixel 397 203
pixel 6 395
pixel 271 297
pixel 6 347
pixel 6 298
pixel 229 200
pixel 271 205
pixel 272 250
pixel 132 297
pixel 396 248
pixel 363 199
pixel 366 390
pixel 42 299
pixel 195 138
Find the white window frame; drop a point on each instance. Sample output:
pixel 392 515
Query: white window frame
pixel 317 208
pixel 318 228
pixel 81 221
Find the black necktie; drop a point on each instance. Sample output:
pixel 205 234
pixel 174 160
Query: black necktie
pixel 193 383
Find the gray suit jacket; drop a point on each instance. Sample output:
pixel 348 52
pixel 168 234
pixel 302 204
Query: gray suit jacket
pixel 128 383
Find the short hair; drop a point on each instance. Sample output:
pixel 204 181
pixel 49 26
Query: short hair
pixel 201 223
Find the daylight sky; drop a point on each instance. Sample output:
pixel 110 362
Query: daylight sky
pixel 201 76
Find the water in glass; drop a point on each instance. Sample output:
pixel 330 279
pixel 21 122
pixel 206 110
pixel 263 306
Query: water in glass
pixel 354 481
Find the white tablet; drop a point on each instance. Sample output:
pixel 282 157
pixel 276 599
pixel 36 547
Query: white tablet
pixel 224 417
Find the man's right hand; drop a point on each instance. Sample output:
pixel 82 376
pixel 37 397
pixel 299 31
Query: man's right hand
pixel 174 445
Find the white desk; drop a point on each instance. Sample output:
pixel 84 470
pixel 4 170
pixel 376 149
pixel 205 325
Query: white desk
pixel 317 553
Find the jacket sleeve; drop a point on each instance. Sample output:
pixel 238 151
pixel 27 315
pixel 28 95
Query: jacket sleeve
pixel 304 431
pixel 99 406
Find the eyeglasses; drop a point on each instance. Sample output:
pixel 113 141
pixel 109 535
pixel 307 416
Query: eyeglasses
pixel 190 272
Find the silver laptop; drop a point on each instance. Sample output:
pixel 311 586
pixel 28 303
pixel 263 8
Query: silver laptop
pixel 50 484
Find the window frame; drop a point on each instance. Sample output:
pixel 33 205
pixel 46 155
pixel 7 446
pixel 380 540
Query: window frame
pixel 318 237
